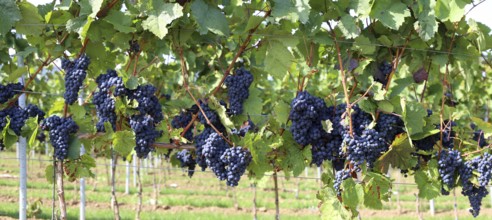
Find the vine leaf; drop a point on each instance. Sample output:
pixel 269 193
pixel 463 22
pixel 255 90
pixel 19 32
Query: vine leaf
pixel 399 155
pixel 364 45
pixel 278 59
pixel 391 13
pixel 353 194
pixel 428 181
pixel 209 18
pixel 348 26
pixel 426 25
pixel 253 105
pixel 31 23
pixel 10 13
pixel 123 142
pixel 120 21
pixel 159 18
pixel 282 111
pixel 296 10
pixel 413 116
pixel 74 148
pixel 331 207
pixel 377 189
pixel 452 10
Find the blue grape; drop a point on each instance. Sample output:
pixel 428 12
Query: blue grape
pixel 17 116
pixel 134 47
pixel 75 73
pixel 236 160
pixel 200 141
pixel 148 103
pixel 111 79
pixel 340 176
pixel 186 160
pixel 60 130
pixel 145 134
pixel 475 194
pixel 105 108
pixel 383 72
pixel 181 121
pixel 238 89
pixel 212 116
pixel 34 111
pixel 348 64
pixel 307 112
pixel 448 165
pixel 10 90
pixel 478 136
pixel 212 150
pixel 389 125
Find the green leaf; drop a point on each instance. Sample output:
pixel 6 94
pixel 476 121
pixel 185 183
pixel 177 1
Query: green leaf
pixel 74 148
pixel 120 21
pixel 349 27
pixel 160 17
pixel 10 13
pixel 278 59
pixel 123 142
pixel 49 173
pixel 253 22
pixel 295 10
pixel 413 116
pixel 79 25
pixel 331 208
pixel 282 112
pixel 391 13
pixel 254 104
pixel 426 25
pixel 90 7
pixel 209 18
pixel 428 181
pixel 132 83
pixel 364 45
pixel 352 194
pixel 398 156
pixel 377 189
pixel 221 111
pixel 77 111
pixel 450 10
pixel 385 106
pixel 16 74
pixel 31 23
pixel 362 7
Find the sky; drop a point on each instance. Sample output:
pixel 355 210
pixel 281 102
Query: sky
pixel 481 13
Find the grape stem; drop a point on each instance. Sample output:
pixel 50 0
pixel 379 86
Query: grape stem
pixel 239 53
pixel 344 79
pixel 188 126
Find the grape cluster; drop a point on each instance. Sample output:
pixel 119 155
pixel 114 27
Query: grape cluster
pixel 383 72
pixel 148 103
pixel 145 134
pixel 389 126
pixel 340 176
pixel 109 80
pixel 448 165
pixel 134 46
pixel 104 101
pixel 200 141
pixel 238 89
pixel 365 146
pixel 34 111
pixel 448 135
pixel 8 91
pixel 307 112
pixel 75 73
pixel 186 160
pixel 41 137
pixel 59 132
pixel 211 115
pixel 236 160
pixel 475 193
pixel 105 108
pixel 181 121
pixel 212 150
pixel 17 116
